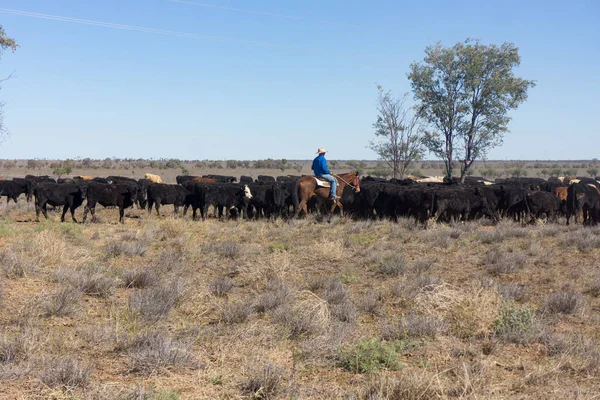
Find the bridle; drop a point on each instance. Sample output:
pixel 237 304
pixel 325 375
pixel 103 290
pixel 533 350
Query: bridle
pixel 346 182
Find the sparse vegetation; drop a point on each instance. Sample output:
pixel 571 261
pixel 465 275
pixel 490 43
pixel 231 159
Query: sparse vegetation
pixel 344 302
pixel 264 382
pixel 155 302
pixel 563 303
pixel 65 373
pixel 370 355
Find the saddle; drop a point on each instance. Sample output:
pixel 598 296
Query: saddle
pixel 322 182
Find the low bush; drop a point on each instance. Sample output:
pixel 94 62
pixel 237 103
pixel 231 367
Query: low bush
pixel 264 382
pixel 65 373
pixel 155 302
pixel 139 278
pixel 394 265
pixel 152 353
pixel 369 356
pixel 516 325
pixel 60 303
pixel 220 287
pixel 563 303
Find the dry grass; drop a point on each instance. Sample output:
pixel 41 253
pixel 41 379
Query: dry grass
pixel 166 308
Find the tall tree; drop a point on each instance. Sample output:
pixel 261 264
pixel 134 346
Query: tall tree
pixel 400 140
pixel 464 92
pixel 5 43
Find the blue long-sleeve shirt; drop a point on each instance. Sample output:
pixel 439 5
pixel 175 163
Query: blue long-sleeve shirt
pixel 319 165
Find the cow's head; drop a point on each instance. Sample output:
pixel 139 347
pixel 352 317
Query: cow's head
pixel 247 192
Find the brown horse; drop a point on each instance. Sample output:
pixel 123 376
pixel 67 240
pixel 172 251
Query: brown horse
pixel 306 188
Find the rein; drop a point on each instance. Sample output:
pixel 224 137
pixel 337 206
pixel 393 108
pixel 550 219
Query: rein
pixel 347 183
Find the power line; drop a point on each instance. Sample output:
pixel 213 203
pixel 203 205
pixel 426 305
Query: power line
pixel 182 34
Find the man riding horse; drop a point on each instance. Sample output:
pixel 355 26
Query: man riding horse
pixel 319 167
pixel 308 187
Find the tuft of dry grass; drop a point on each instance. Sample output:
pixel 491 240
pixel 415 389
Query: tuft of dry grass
pixel 563 303
pixel 413 326
pixel 220 287
pixel 225 249
pixel 12 349
pixel 139 278
pixel 512 291
pixel 468 313
pixel 264 381
pixel 500 262
pixel 151 353
pixel 409 385
pixel 236 312
pixel 394 265
pixel 276 296
pixel 65 373
pixel 60 303
pixel 155 302
pixel 118 247
pixel 88 281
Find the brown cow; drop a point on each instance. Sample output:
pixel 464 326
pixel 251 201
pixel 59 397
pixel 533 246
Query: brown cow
pixel 204 180
pixel 84 177
pixel 153 178
pixel 561 192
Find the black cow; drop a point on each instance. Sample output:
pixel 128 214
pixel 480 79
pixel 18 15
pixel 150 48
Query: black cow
pixel 33 180
pixel 221 178
pixel 583 199
pixel 121 195
pixel 244 180
pixel 101 180
pixel 118 179
pixel 13 189
pixel 542 203
pixel 265 179
pixel 68 195
pixel 460 203
pixel 161 193
pixel 219 195
pixel 142 197
pixel 140 185
pixel 181 179
pixel 267 199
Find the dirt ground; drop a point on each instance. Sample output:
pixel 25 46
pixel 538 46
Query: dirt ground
pixel 170 308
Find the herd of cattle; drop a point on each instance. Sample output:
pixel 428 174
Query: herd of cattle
pixel 523 199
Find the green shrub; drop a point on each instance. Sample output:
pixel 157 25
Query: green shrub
pixel 516 325
pixel 370 355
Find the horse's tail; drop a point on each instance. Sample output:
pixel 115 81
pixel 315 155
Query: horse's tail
pixel 295 197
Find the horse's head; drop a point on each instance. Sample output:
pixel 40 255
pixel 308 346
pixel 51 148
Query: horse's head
pixel 356 183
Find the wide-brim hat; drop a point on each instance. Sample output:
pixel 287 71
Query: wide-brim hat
pixel 321 150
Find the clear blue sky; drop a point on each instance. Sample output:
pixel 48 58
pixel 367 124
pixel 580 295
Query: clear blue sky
pixel 90 91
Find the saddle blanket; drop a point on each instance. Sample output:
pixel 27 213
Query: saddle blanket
pixel 322 182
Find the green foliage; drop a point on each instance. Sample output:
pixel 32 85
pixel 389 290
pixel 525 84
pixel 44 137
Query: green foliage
pixel 8 165
pixel 62 170
pixel 570 172
pixel 33 164
pixel 514 324
pixel 184 171
pixel 381 173
pixel 517 172
pixel 232 164
pixel 358 166
pixel 490 173
pixel 370 355
pixel 464 93
pixel 593 171
pixel 6 42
